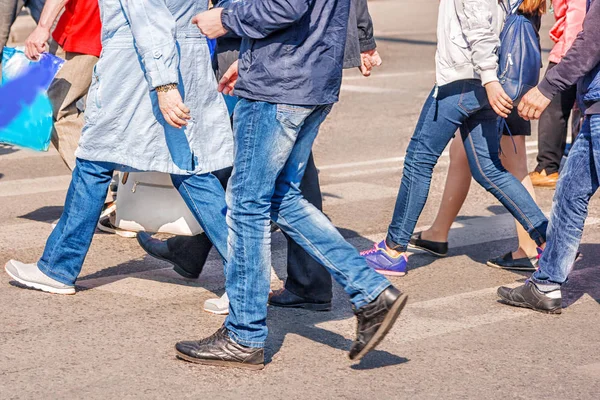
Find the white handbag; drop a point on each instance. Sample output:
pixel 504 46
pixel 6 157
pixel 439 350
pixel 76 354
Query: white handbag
pixel 148 201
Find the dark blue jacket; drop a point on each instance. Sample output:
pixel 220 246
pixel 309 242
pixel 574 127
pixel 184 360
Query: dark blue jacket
pixel 581 63
pixel 292 50
pixel 358 39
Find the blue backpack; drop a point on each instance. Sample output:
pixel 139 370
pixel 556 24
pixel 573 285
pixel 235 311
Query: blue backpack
pixel 519 55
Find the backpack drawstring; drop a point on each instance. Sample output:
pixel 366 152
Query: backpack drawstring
pixel 501 125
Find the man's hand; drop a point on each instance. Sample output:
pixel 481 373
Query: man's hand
pixel 172 108
pixel 209 23
pixel 37 43
pixel 499 100
pixel 229 79
pixel 533 104
pixel 369 60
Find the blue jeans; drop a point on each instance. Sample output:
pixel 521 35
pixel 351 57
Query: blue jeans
pixel 272 146
pixel 578 182
pixel 70 240
pixel 459 105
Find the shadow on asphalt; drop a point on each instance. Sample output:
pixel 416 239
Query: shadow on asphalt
pixel 304 323
pixel 44 214
pixel 7 149
pixel 585 277
pixel 282 322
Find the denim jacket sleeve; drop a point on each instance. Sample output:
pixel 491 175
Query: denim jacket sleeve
pixel 581 58
pixel 153 29
pixel 476 23
pixel 258 19
pixel 365 26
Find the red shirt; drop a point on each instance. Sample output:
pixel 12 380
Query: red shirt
pixel 79 28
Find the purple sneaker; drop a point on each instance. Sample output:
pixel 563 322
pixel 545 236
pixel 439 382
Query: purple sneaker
pixel 379 259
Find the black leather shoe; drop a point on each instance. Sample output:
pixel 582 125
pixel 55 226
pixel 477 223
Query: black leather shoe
pixel 285 298
pixel 187 254
pixel 529 296
pixel 508 262
pixel 375 320
pixel 220 350
pixel 438 249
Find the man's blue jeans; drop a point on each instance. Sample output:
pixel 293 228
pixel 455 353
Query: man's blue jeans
pixel 578 182
pixel 272 143
pixel 70 240
pixel 463 106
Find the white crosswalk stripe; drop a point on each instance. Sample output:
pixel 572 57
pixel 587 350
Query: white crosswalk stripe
pixel 9 153
pixel 22 187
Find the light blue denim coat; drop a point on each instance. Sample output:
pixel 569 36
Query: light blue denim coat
pixel 149 43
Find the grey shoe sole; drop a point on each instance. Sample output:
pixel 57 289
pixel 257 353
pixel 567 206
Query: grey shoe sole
pixel 216 311
pixel 219 363
pixel 529 306
pixel 38 286
pixel 115 231
pixel 385 327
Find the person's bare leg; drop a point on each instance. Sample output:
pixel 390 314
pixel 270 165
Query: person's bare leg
pixel 458 182
pixel 516 164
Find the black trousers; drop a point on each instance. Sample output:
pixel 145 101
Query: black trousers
pixel 306 277
pixel 553 127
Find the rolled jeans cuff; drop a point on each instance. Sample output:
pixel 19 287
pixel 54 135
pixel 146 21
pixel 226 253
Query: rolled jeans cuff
pixel 364 300
pixel 538 235
pixel 248 343
pixel 545 285
pixel 394 245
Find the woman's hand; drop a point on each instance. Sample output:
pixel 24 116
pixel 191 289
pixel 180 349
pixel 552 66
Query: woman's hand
pixel 37 43
pixel 171 105
pixel 499 100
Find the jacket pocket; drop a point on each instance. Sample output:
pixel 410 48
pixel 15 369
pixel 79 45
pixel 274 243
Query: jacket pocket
pixel 455 33
pixel 93 106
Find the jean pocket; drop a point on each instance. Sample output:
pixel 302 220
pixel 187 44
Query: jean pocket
pixel 293 116
pixel 473 97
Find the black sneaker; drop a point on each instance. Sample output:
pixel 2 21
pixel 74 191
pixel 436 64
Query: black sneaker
pixel 375 320
pixel 438 249
pixel 529 296
pixel 508 262
pixel 286 299
pixel 220 350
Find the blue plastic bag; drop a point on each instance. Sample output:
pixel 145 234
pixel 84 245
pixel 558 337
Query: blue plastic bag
pixel 25 110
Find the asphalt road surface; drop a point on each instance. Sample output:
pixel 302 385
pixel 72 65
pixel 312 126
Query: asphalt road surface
pixel 115 338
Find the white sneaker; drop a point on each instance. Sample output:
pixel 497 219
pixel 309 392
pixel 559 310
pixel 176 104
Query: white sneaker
pixel 31 276
pixel 218 306
pixel 106 225
pixel 108 208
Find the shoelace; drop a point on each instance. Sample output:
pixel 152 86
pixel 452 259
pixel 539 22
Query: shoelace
pixel 375 249
pixel 539 253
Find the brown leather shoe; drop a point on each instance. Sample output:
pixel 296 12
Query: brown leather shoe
pixel 540 179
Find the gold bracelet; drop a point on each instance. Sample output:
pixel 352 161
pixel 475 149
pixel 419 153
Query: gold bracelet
pixel 166 88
